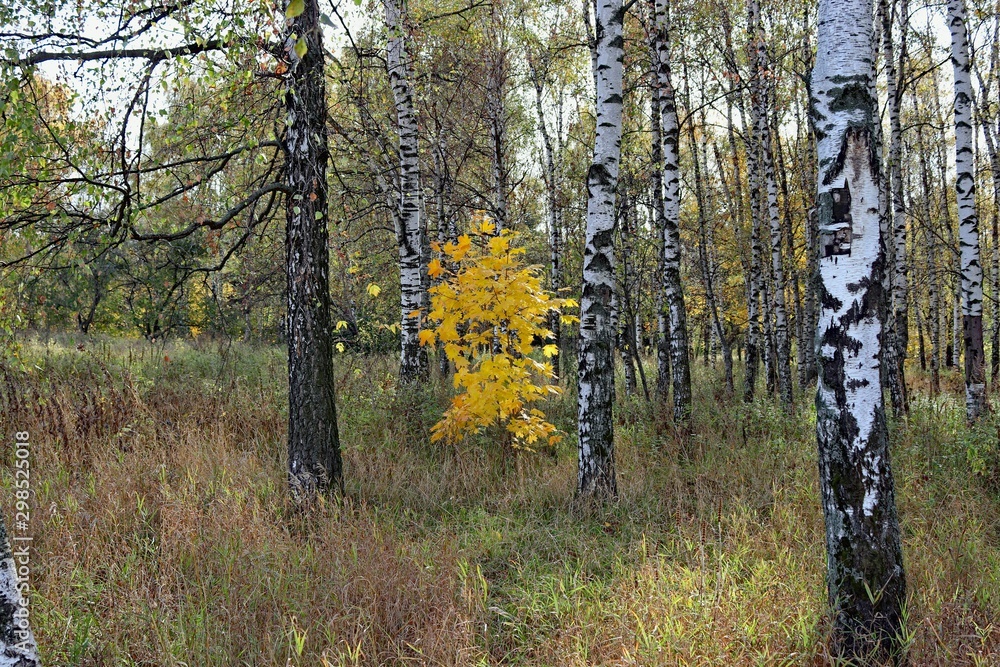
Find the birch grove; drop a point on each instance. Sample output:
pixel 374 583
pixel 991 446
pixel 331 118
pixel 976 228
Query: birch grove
pixel 670 260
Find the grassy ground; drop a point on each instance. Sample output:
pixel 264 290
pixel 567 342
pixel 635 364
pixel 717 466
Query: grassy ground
pixel 163 535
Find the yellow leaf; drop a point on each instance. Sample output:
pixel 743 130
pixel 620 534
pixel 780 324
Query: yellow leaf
pixel 374 289
pixel 434 268
pixel 550 350
pixel 341 325
pixel 426 336
pixel 295 8
pixel 340 347
pixel 413 313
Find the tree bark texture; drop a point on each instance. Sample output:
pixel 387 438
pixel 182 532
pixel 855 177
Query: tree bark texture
pixel 596 478
pixel 314 462
pixel 865 577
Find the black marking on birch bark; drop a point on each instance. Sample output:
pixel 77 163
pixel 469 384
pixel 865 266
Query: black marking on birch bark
pixel 866 583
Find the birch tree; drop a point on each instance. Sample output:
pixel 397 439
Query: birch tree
pixel 313 441
pixel 864 554
pixel 899 306
pixel 783 369
pixel 673 294
pixel 411 224
pixel 597 335
pixel 968 222
pixel 17 643
pixel 537 71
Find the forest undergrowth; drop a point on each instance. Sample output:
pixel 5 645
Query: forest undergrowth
pixel 164 534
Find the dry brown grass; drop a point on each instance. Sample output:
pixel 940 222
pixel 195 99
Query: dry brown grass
pixel 163 535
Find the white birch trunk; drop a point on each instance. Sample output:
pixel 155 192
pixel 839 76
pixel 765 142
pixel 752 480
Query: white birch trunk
pixel 17 643
pixel 596 477
pixel 782 365
pixel 672 291
pixel 706 244
pixel 968 222
pixel 899 309
pixel 663 310
pixel 757 346
pixel 411 231
pixel 862 530
pixel 555 223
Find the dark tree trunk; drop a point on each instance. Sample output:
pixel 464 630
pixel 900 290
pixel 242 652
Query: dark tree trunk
pixel 313 443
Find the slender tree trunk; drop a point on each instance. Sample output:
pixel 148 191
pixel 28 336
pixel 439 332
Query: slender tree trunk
pixel 626 287
pixel 921 347
pixel 444 222
pixel 411 231
pixel 756 341
pixel 782 366
pixel 663 310
pixel 900 319
pixel 596 361
pixel 555 231
pixel 788 233
pixel 994 155
pixel 759 272
pixel 313 442
pixel 496 112
pixel 17 643
pixel 930 259
pixel 991 134
pixel 674 295
pixel 706 260
pixel 809 176
pixel 864 552
pixel 965 187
